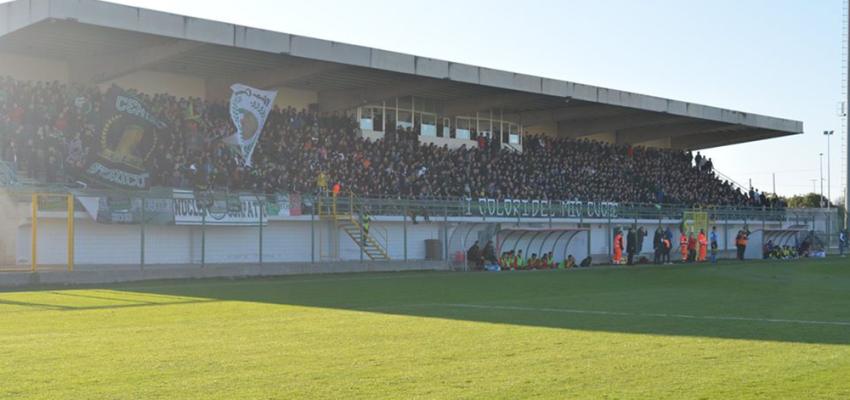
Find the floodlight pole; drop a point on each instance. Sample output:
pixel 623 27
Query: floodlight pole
pixel 847 142
pixel 828 169
pixel 821 180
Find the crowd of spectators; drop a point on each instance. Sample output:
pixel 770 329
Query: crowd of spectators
pixel 48 128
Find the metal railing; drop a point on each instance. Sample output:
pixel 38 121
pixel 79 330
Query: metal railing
pixel 163 206
pixel 441 207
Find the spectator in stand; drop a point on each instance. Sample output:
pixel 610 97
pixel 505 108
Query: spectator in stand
pixel 49 130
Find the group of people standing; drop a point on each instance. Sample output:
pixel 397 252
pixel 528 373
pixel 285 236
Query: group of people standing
pixel 633 244
pixel 693 248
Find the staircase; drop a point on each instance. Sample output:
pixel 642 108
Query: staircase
pixel 8 176
pixel 347 217
pixel 371 247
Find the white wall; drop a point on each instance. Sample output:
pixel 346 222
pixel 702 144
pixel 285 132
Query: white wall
pixel 290 240
pixel 295 98
pixel 153 82
pixel 33 69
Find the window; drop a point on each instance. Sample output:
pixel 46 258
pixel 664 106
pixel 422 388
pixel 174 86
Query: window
pixel 513 134
pixel 428 124
pixel 446 129
pixel 463 130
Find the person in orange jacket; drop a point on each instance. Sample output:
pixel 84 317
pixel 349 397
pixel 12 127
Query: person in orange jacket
pixel 618 246
pixel 683 246
pixel 703 245
pixel 692 248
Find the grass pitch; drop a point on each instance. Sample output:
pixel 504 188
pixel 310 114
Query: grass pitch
pixel 755 330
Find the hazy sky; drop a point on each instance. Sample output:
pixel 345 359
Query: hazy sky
pixel 776 57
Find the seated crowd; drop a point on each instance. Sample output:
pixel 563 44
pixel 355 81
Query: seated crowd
pixel 46 128
pixel 810 246
pixel 479 259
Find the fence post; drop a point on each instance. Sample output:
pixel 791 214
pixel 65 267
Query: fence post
pixel 446 234
pixel 142 237
pixel 828 226
pixel 34 239
pixel 763 224
pixel 260 222
pixel 70 232
pixel 404 227
pixel 610 240
pixel 313 233
pixel 362 238
pixel 204 238
pixel 725 232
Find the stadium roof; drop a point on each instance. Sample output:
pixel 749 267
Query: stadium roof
pixel 101 41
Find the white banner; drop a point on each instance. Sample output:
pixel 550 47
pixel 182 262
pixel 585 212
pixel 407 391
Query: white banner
pixel 540 208
pixel 237 210
pixel 249 108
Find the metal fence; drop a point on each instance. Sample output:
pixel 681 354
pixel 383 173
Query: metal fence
pixel 452 222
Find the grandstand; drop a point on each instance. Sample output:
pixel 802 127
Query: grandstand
pixel 127 153
pixel 401 136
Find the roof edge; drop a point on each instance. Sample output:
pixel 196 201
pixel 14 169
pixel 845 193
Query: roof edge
pixel 22 13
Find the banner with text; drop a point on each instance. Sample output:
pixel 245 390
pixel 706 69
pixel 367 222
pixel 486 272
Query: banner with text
pixel 249 108
pixel 222 210
pixel 540 208
pixel 123 210
pixel 127 140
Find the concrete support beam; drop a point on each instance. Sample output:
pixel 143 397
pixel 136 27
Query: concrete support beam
pixel 584 127
pixel 720 138
pixel 638 135
pixel 340 100
pixel 277 77
pixel 567 112
pixel 103 68
pixel 219 88
pixel 470 105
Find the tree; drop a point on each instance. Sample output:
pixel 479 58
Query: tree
pixel 811 200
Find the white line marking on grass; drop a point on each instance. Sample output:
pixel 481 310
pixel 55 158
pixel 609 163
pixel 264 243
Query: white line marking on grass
pixel 653 315
pixel 275 279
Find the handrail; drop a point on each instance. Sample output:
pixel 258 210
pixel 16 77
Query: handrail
pixel 385 236
pixel 730 180
pixel 455 207
pixel 8 176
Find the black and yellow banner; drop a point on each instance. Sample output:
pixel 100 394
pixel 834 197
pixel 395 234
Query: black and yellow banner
pixel 126 143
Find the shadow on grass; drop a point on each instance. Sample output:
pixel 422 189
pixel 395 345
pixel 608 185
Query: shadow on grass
pixel 790 302
pixel 53 301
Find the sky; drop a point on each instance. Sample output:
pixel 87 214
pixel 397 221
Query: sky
pixel 780 58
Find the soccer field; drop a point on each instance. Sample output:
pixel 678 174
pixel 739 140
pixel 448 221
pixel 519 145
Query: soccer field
pixel 755 330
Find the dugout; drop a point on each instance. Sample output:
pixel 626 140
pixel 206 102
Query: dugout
pixel 561 242
pixel 790 236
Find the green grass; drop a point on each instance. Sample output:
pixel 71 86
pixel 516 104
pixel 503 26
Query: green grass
pixel 756 330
